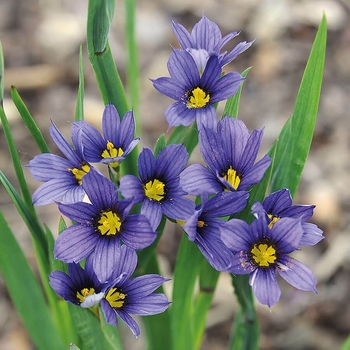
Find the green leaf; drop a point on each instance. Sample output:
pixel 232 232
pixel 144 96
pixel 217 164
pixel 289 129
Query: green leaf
pixel 160 144
pixel 232 104
pixel 207 283
pixel 157 327
pixel 89 328
pixel 26 293
pixel 100 56
pixel 2 75
pixel 294 141
pixel 79 110
pixel 132 67
pixel 346 344
pixel 104 11
pixel 187 267
pixel 246 333
pixel 29 121
pixel 107 76
pixel 111 333
pixel 16 162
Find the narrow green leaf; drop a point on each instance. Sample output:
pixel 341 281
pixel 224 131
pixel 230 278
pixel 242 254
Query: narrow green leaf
pixel 107 76
pixel 246 333
pixel 187 267
pixel 178 134
pixel 346 344
pixel 232 104
pixel 89 328
pixel 16 162
pixel 79 110
pixel 38 235
pixel 160 144
pixel 29 121
pixel 295 138
pixel 111 333
pixel 132 67
pixel 101 59
pixel 207 283
pixel 104 11
pixel 2 75
pixel 26 293
pixel 157 327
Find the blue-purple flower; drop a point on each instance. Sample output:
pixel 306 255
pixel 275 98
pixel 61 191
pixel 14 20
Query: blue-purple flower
pixel 230 154
pixel 195 93
pixel 101 226
pixel 126 296
pixel 279 205
pixel 263 252
pixel 206 40
pixel 117 140
pixel 62 176
pixel 203 227
pixel 158 187
pixel 80 287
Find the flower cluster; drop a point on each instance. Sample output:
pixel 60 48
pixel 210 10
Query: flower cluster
pixel 107 231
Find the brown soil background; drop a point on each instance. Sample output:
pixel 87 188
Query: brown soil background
pixel 41 46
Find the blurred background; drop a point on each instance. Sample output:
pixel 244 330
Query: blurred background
pixel 41 39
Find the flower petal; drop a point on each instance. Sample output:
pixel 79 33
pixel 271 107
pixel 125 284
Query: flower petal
pixel 236 235
pixel 131 187
pixel 129 321
pixel 151 305
pixel 75 243
pixel 265 286
pixel 296 274
pixel 287 233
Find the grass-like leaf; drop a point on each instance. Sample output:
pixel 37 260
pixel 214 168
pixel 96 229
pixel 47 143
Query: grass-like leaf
pixel 294 141
pixel 26 293
pixel 29 121
pixel 232 104
pixel 79 109
pixel 2 75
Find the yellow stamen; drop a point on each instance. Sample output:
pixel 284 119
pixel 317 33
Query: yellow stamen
pixel 201 223
pixel 263 255
pixel 154 190
pixel 85 292
pixel 109 223
pixel 198 98
pixel 112 152
pixel 232 178
pixel 115 298
pixel 79 173
pixel 273 219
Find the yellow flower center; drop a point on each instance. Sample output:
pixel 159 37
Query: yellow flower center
pixel 115 298
pixel 79 173
pixel 263 255
pixel 112 152
pixel 273 219
pixel 85 292
pixel 154 190
pixel 232 178
pixel 200 223
pixel 109 223
pixel 198 98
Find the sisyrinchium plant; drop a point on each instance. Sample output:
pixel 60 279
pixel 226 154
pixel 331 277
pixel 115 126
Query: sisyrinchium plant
pixel 236 212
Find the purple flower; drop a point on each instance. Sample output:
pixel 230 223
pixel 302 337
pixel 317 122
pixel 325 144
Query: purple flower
pixel 230 154
pixel 126 296
pixel 80 287
pixel 262 252
pixel 101 226
pixel 62 176
pixel 206 40
pixel 159 185
pixel 117 140
pixel 195 93
pixel 203 227
pixel 279 205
